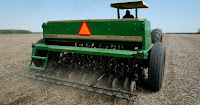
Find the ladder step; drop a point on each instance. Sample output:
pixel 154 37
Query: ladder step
pixel 37 68
pixel 37 57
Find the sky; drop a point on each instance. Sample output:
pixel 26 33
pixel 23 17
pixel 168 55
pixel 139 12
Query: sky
pixel 168 15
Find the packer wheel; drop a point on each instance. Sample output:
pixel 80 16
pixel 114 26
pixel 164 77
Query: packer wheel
pixel 82 72
pixel 73 76
pixel 110 79
pixel 62 74
pixel 133 87
pixel 95 75
pixel 86 78
pixel 126 84
pixel 116 83
pixel 68 73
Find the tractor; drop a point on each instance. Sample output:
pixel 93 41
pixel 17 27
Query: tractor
pixel 111 55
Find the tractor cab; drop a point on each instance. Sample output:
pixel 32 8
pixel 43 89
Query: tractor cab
pixel 129 5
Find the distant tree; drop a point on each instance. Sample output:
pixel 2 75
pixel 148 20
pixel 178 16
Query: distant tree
pixel 14 31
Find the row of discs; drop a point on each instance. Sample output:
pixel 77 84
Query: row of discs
pixel 116 83
pixel 80 76
pixel 87 77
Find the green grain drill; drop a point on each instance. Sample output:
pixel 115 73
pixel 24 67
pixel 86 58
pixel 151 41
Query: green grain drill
pixel 109 54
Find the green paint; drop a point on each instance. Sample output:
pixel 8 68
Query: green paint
pixel 116 28
pixel 38 57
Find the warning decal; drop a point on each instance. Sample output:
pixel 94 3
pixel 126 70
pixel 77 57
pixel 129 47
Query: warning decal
pixel 84 30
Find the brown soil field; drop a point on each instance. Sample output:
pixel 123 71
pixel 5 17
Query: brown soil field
pixel 181 81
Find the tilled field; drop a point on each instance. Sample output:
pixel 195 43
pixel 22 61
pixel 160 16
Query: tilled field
pixel 181 81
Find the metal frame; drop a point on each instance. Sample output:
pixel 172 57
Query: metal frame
pixel 95 51
pixel 137 4
pixel 136 12
pixel 38 57
pixel 116 93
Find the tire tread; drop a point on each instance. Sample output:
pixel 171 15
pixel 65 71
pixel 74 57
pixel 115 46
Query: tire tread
pixel 157 58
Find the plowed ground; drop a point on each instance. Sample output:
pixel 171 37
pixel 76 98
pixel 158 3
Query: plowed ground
pixel 181 81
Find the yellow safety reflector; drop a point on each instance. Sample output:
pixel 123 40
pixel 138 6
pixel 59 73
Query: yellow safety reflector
pixel 84 30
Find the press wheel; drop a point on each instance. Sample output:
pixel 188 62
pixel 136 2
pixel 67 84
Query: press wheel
pixel 62 74
pixel 110 79
pixel 133 87
pixel 73 76
pixel 116 83
pixel 86 78
pixel 126 84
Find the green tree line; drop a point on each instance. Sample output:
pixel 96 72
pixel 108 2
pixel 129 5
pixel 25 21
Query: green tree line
pixel 14 31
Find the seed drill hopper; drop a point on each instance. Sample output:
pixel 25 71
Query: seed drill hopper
pixel 107 56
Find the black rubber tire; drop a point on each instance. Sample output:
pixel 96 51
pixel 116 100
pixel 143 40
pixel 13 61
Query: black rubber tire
pixel 39 62
pixel 156 66
pixel 156 36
